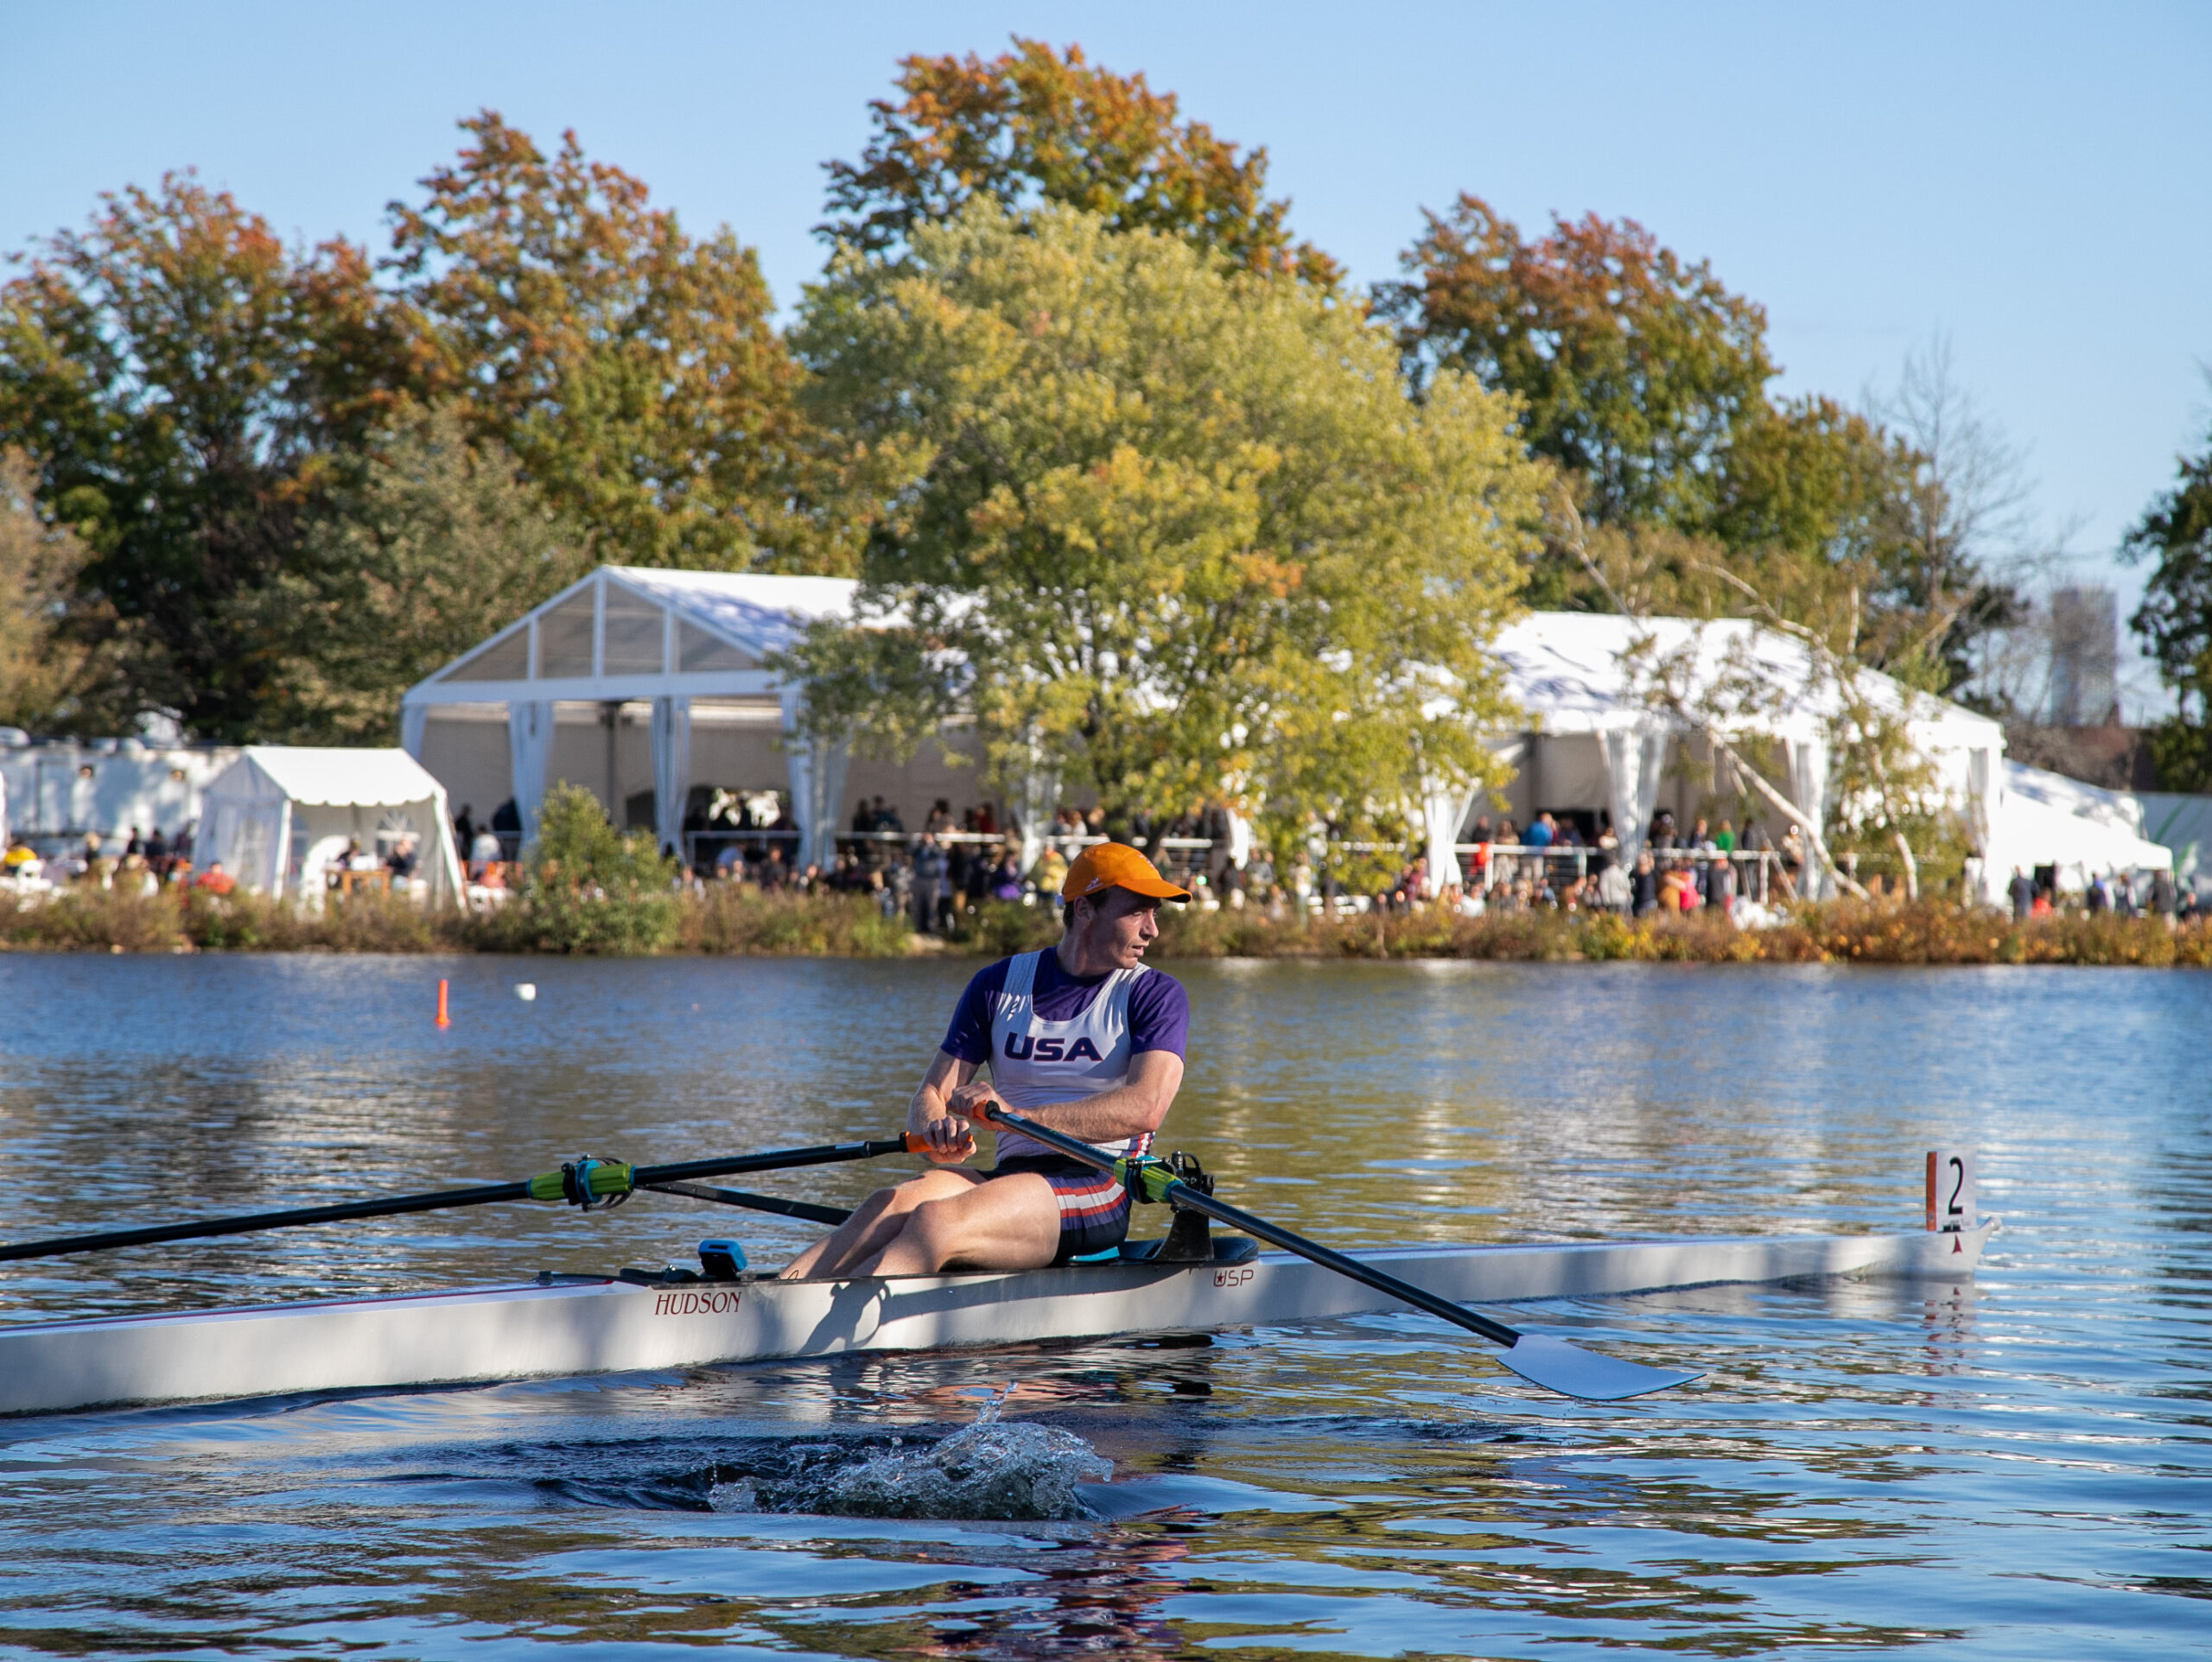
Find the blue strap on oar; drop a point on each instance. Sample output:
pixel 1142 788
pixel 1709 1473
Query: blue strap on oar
pixel 593 1185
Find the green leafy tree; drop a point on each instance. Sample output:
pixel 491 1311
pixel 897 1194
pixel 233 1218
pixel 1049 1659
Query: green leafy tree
pixel 1851 528
pixel 1035 125
pixel 181 376
pixel 631 369
pixel 425 547
pixel 587 887
pixel 2175 619
pixel 1161 529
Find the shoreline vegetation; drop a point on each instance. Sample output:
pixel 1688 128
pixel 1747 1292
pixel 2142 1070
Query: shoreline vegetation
pixel 733 920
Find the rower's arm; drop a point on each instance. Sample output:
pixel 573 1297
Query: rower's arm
pixel 930 1112
pixel 1129 1110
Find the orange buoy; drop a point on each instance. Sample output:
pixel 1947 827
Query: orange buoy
pixel 444 1020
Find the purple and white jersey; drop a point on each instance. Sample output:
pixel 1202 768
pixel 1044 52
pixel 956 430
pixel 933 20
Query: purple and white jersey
pixel 1050 1037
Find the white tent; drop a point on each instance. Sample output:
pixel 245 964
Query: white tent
pixel 2183 824
pixel 2048 819
pixel 277 815
pixel 59 789
pixel 688 649
pixel 1595 739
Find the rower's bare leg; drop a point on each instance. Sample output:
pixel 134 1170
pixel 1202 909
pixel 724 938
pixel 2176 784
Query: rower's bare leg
pixel 875 1222
pixel 1008 1223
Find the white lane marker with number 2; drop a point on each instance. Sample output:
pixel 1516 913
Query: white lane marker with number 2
pixel 1950 1188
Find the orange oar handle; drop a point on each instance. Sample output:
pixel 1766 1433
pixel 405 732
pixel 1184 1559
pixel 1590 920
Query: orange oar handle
pixel 918 1144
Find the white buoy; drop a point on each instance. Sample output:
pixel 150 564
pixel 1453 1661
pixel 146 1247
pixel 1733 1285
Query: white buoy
pixel 525 990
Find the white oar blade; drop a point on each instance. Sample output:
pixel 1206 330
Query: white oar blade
pixel 1574 1372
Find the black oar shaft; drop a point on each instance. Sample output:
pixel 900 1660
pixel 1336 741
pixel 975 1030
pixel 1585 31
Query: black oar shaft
pixel 682 1171
pixel 774 1203
pixel 294 1218
pixel 1181 1194
pixel 643 1176
pixel 1236 1218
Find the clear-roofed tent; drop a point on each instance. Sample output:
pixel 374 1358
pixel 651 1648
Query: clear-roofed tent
pixel 651 689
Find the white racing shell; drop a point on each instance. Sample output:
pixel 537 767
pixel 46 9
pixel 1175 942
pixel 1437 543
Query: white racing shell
pixel 591 1326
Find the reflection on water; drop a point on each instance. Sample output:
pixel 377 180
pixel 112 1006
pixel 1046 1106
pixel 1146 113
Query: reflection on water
pixel 2011 1468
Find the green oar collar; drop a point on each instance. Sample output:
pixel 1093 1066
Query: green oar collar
pixel 587 1183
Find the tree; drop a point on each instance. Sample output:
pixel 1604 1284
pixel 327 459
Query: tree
pixel 58 670
pixel 586 887
pixel 1637 371
pixel 426 546
pixel 178 374
pixel 1033 126
pixel 1953 529
pixel 1159 529
pixel 631 371
pixel 2175 619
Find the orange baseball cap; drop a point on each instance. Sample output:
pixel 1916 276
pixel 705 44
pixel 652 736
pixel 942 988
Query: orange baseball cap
pixel 1117 865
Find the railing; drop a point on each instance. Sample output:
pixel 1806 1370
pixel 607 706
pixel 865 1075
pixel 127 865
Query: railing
pixel 717 841
pixel 1185 853
pixel 1766 858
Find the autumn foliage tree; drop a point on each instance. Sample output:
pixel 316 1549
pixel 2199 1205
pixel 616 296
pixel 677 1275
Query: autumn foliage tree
pixel 1035 125
pixel 631 370
pixel 1643 380
pixel 1635 369
pixel 176 373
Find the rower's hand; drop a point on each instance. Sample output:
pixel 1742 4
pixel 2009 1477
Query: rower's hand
pixel 974 1100
pixel 949 1138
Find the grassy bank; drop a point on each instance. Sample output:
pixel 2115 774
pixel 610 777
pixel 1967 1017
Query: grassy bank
pixel 1928 932
pixel 731 920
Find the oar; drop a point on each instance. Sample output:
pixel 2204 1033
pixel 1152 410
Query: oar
pixel 758 1203
pixel 1552 1363
pixel 587 1183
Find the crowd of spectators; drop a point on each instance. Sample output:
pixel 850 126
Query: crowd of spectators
pixel 953 863
pixel 147 862
pixel 2117 893
pixel 1564 863
pixel 153 860
pixel 956 863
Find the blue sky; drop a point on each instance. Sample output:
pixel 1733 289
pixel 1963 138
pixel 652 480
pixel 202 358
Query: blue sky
pixel 2030 182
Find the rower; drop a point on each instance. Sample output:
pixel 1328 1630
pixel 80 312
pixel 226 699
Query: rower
pixel 1085 1037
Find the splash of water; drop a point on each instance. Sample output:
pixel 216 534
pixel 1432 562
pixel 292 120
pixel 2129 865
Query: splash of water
pixel 986 1469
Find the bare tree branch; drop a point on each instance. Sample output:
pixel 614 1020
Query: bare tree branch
pixel 1681 710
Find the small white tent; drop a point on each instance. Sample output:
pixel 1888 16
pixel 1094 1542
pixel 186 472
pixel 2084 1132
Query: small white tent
pixel 2184 825
pixel 2083 831
pixel 276 816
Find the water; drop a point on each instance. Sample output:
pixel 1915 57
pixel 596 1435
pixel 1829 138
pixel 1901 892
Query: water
pixel 2012 1468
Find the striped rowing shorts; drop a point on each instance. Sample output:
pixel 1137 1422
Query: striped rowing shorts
pixel 1094 1208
